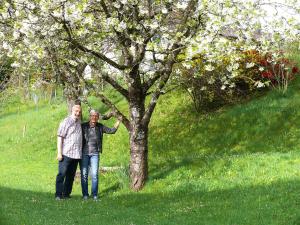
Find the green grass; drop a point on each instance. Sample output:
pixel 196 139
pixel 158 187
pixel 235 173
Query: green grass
pixel 239 165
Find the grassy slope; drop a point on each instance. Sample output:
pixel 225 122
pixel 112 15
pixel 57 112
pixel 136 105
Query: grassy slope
pixel 236 166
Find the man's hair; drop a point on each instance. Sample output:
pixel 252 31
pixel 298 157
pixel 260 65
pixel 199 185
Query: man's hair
pixel 93 111
pixel 76 106
pixel 77 102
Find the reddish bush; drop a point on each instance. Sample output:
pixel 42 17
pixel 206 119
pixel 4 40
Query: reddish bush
pixel 267 74
pixel 295 70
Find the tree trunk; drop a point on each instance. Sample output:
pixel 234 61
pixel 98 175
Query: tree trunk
pixel 138 156
pixel 138 140
pixel 70 103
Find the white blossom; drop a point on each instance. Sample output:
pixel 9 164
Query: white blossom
pixel 234 73
pixel 259 84
pixel 164 10
pixel 187 65
pixel 116 5
pixel 154 25
pixel 16 35
pixel 209 67
pixel 6 46
pixel 181 5
pixel 211 80
pixel 229 68
pixel 73 62
pixel 235 66
pixel 177 71
pixel 122 25
pixel 15 64
pixel 250 65
pixel 143 11
pixel 232 85
pixel 87 73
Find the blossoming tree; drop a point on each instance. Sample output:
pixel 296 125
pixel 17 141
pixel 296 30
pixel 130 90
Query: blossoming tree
pixel 135 45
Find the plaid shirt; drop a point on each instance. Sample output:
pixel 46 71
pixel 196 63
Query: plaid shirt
pixel 70 131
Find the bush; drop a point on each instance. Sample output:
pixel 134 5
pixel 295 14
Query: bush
pixel 213 85
pixel 274 70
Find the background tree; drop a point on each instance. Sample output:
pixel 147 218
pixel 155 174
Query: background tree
pixel 138 43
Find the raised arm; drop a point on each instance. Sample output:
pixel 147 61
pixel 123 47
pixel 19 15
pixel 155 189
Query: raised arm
pixel 113 130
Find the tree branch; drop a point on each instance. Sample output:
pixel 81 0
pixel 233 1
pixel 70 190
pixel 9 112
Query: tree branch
pixel 115 84
pixel 148 84
pixel 98 55
pixel 104 7
pixel 157 93
pixel 115 111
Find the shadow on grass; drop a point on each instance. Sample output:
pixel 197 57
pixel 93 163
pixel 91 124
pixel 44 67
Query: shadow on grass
pixel 264 125
pixel 111 189
pixel 277 203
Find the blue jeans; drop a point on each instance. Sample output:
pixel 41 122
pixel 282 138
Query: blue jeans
pixel 92 162
pixel 65 177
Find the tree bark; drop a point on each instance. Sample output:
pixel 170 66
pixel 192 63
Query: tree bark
pixel 138 156
pixel 138 135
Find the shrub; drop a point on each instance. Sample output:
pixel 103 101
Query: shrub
pixel 212 85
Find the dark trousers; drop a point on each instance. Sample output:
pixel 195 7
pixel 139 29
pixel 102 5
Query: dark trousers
pixel 65 177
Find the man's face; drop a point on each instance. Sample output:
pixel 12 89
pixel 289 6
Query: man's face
pixel 76 112
pixel 94 117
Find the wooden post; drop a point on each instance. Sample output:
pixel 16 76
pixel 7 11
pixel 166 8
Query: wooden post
pixel 24 130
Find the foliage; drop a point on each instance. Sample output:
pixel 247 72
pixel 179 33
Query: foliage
pixel 5 72
pixel 67 34
pixel 276 70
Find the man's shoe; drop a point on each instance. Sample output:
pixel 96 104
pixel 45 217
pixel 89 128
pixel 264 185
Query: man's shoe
pixel 85 197
pixel 95 198
pixel 57 198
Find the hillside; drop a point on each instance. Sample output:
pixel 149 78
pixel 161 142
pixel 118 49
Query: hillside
pixel 239 165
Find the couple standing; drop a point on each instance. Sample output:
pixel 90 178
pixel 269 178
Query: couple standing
pixel 79 143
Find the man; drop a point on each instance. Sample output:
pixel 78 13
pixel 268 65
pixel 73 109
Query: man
pixel 69 151
pixel 92 147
